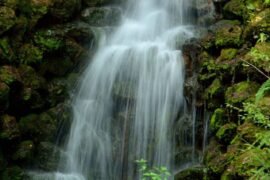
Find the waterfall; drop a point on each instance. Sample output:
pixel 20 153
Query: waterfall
pixel 131 95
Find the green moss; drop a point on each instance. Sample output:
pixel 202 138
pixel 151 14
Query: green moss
pixel 9 75
pixel 241 92
pixel 217 119
pixel 25 151
pixel 10 129
pixel 214 89
pixel 227 54
pixel 236 9
pixel 226 132
pixel 29 54
pixel 48 41
pixel 7 18
pixel 14 173
pixel 6 52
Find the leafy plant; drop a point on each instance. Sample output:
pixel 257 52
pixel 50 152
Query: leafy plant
pixel 263 90
pixel 155 173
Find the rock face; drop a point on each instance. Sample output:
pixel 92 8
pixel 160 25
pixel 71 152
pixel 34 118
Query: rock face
pixel 43 46
pixel 233 69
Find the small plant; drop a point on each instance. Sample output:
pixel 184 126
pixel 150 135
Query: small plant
pixel 155 173
pixel 263 37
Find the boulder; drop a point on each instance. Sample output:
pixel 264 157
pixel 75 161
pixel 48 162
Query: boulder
pixel 64 10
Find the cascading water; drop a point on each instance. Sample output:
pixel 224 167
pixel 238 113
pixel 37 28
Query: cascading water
pixel 131 95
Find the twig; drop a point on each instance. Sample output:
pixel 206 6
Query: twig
pixel 260 71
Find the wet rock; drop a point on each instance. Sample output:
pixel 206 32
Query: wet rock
pixel 260 56
pixel 29 54
pixel 226 132
pixel 6 52
pixel 235 9
pixel 9 75
pixel 193 173
pixel 64 10
pixel 240 92
pixel 14 172
pixel 227 54
pixel 103 16
pixel 24 151
pixel 47 157
pixel 227 33
pixel 123 92
pixel 9 128
pixel 7 18
pixel 218 119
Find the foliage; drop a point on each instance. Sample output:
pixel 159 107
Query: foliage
pixel 156 173
pixel 263 90
pixel 263 37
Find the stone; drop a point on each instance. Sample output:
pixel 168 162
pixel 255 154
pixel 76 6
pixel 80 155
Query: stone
pixel 64 10
pixel 103 16
pixel 7 18
pixel 235 9
pixel 241 92
pixel 24 151
pixel 9 128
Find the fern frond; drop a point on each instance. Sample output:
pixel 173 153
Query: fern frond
pixel 263 90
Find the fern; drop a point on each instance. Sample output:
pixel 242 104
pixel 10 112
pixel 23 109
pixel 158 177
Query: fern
pixel 263 90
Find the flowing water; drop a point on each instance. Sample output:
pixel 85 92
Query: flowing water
pixel 131 95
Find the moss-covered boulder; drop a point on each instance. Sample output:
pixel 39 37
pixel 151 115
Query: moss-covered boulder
pixel 227 33
pixel 240 92
pixel 47 157
pixel 260 56
pixel 103 16
pixel 14 173
pixel 9 128
pixel 6 51
pixel 264 105
pixel 248 131
pixel 218 119
pixel 193 173
pixel 9 75
pixel 235 9
pixel 64 10
pixel 24 152
pixel 226 132
pixel 227 54
pixel 29 54
pixel 7 18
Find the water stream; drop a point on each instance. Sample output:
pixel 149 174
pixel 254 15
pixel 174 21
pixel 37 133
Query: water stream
pixel 131 95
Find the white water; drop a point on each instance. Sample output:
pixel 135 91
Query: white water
pixel 130 96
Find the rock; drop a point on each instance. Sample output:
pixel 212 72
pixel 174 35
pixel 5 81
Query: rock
pixel 64 10
pixel 227 33
pixel 14 172
pixel 94 3
pixel 9 128
pixel 24 151
pixel 240 92
pixel 123 92
pixel 6 52
pixel 7 18
pixel 227 54
pixel 103 16
pixel 30 78
pixel 260 56
pixel 48 156
pixel 193 173
pixel 9 75
pixel 235 9
pixel 226 132
pixel 9 3
pixel 74 51
pixel 264 105
pixel 218 119
pixel 248 131
pixel 29 54
pixel 57 91
pixel 4 96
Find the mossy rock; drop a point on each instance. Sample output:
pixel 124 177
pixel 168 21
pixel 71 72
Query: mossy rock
pixel 226 132
pixel 260 56
pixel 259 22
pixel 6 51
pixel 30 78
pixel 14 173
pixel 264 105
pixel 103 16
pixel 30 55
pixel 9 128
pixel 214 90
pixel 9 3
pixel 218 119
pixel 240 92
pixel 64 10
pixel 7 18
pixel 235 9
pixel 9 75
pixel 247 161
pixel 228 33
pixel 49 40
pixel 193 173
pixel 227 54
pixel 25 151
